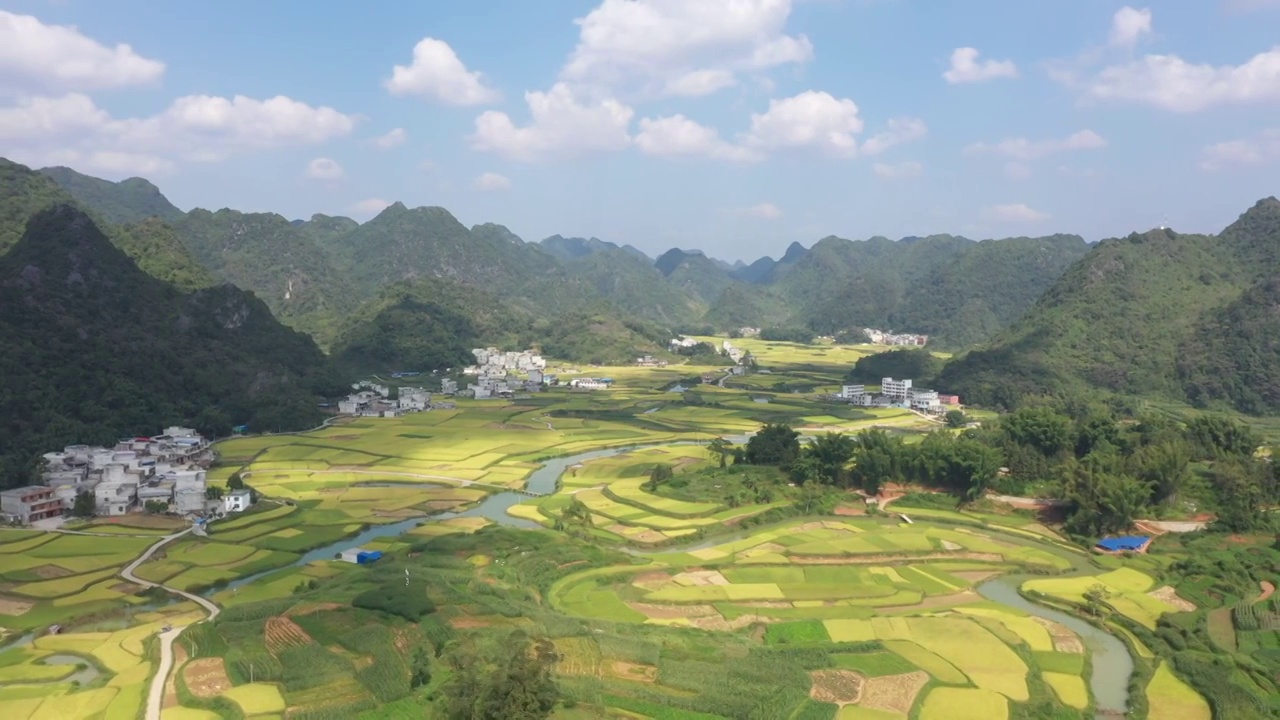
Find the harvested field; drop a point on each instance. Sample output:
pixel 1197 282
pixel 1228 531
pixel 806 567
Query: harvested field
pixel 171 683
pixel 1170 596
pixel 939 601
pixel 894 693
pixel 718 622
pixel 632 671
pixel 666 612
pixel 768 548
pixel 841 687
pixel 206 677
pixel 48 572
pixel 651 580
pixel 283 633
pixel 1064 640
pixel 126 588
pixel 12 606
pixel 699 578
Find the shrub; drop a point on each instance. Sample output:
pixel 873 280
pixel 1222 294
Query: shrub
pixel 407 601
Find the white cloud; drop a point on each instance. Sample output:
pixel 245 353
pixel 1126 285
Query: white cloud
pixel 810 119
pixel 1016 171
pixel 492 181
pixel 1024 150
pixel 391 139
pixel 677 135
pixel 1258 149
pixel 1129 25
pixel 681 47
pixel 370 207
pixel 35 57
pixel 436 72
pixel 560 125
pixel 900 171
pixel 899 132
pixel 196 128
pixel 765 211
pixel 1171 83
pixel 111 163
pixel 324 169
pixel 966 68
pixel 1015 213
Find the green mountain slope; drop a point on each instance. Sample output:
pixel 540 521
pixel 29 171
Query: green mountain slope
pixel 100 349
pixel 696 274
pixel 152 244
pixel 118 203
pixel 276 260
pixel 1189 317
pixel 632 284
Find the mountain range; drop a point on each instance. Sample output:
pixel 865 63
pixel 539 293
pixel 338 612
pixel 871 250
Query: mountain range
pixel 315 273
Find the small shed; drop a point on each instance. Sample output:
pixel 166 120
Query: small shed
pixel 1127 543
pixel 359 556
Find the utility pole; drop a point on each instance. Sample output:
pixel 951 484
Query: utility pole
pixel 250 673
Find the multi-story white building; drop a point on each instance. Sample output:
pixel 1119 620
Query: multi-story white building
pixel 925 401
pixel 895 390
pixel 852 392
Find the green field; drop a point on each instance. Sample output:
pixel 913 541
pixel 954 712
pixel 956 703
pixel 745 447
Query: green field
pixel 1169 697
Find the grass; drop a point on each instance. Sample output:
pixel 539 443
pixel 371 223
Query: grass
pixel 874 664
pixel 1170 698
pixel 797 633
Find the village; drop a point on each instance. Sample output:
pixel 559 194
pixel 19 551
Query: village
pixel 899 394
pixel 165 473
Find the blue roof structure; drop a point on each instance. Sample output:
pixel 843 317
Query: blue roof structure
pixel 1129 542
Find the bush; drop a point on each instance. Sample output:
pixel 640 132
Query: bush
pixel 407 601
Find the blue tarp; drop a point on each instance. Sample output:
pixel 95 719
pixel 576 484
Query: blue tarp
pixel 368 556
pixel 1130 542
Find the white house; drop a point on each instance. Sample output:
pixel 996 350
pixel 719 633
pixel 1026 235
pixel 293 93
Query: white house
pixel 237 501
pixel 589 384
pixel 895 390
pixel 925 401
pixel 852 392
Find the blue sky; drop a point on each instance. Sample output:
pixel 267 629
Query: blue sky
pixel 735 126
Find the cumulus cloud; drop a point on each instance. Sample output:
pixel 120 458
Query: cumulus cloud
pixel 1024 150
pixel 764 211
pixel 392 139
pixel 900 171
pixel 1171 83
pixel 681 47
pixel 898 132
pixel 370 207
pixel 561 125
pixel 195 128
pixel 324 169
pixel 1014 213
pixel 677 135
pixel 39 58
pixel 1129 25
pixel 437 72
pixel 1258 149
pixel 811 119
pixel 491 181
pixel 967 68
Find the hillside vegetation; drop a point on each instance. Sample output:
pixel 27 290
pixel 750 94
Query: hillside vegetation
pixel 1188 317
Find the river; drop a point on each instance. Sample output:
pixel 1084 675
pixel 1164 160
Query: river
pixel 1111 662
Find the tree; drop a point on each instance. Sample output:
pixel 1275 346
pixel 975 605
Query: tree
pixel 155 507
pixel 877 459
pixel 85 505
pixel 420 666
pixel 1095 599
pixel 720 449
pixel 1042 428
pixel 512 681
pixel 956 419
pixel 235 482
pixel 658 475
pixel 1216 437
pixel 1166 467
pixel 832 452
pixel 775 444
pixel 213 492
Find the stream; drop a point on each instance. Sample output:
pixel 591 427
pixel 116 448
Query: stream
pixel 1111 663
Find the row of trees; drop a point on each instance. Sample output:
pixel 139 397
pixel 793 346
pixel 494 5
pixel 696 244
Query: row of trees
pixel 1109 470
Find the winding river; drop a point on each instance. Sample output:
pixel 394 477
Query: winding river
pixel 1111 663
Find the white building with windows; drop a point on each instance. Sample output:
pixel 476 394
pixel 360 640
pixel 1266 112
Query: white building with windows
pixel 237 501
pixel 925 401
pixel 896 390
pixel 852 392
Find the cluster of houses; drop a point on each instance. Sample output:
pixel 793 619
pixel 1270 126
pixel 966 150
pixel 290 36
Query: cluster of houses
pixel 504 374
pixel 167 469
pixel 900 394
pixel 588 383
pixel 681 342
pixel 880 337
pixel 374 400
pixel 650 361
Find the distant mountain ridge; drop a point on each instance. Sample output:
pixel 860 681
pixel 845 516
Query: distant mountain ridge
pixel 315 273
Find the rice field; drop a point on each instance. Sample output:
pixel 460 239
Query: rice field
pixel 1128 592
pixel 1169 697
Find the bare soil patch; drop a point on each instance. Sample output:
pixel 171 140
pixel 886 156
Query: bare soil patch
pixel 889 559
pixel 11 606
pixel 282 633
pixel 768 548
pixel 308 608
pixel 894 693
pixel 649 536
pixel 850 510
pixel 206 677
pixel 698 578
pixel 651 580
pixel 126 588
pixel 948 545
pixel 1064 640
pixel 667 612
pixel 717 622
pixel 48 572
pixel 841 687
pixel 632 671
pixel 1268 589
pixel 1169 595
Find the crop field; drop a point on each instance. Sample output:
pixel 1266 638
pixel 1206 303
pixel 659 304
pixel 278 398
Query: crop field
pixel 1170 697
pixel 1128 591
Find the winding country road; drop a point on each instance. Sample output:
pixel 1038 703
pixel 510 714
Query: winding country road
pixel 155 696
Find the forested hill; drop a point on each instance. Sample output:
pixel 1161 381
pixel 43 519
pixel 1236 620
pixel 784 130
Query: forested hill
pixel 1187 317
pixel 92 348
pixel 119 203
